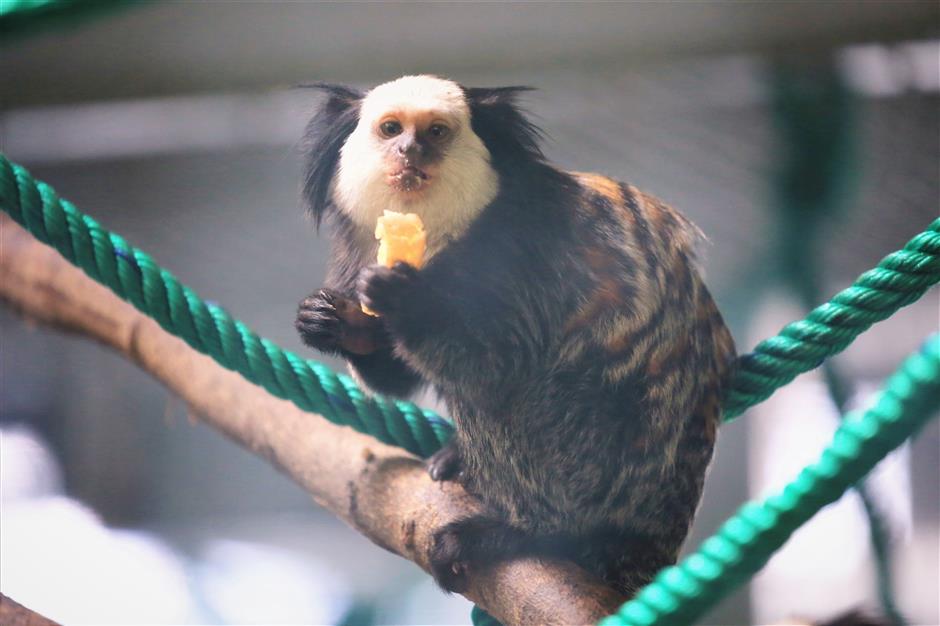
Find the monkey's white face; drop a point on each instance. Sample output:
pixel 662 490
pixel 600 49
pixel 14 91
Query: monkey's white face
pixel 414 151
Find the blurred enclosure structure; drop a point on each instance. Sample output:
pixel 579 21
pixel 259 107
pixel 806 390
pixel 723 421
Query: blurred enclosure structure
pixel 789 132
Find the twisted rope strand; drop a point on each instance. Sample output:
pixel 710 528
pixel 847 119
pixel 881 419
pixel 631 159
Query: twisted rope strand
pixel 899 279
pixel 681 594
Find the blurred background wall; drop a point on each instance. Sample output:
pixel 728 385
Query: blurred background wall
pixel 174 124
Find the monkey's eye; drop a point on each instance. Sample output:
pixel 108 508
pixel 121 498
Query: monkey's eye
pixel 438 131
pixel 390 128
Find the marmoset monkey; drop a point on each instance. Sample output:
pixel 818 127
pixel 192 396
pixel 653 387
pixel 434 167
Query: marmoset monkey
pixel 559 315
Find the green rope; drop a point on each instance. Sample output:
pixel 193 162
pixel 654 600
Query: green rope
pixel 24 8
pixel 682 593
pixel 900 279
pixel 25 17
pixel 134 276
pixel 479 617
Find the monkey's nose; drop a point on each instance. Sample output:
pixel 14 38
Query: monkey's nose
pixel 411 150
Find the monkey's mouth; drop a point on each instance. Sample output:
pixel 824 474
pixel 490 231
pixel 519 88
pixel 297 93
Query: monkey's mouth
pixel 409 178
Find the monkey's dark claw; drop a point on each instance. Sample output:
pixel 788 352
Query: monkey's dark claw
pixel 383 289
pixel 445 464
pixel 447 565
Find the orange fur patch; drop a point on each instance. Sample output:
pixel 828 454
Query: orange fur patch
pixel 607 187
pixel 606 296
pixel 661 358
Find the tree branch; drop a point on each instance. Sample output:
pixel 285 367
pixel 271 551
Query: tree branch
pixel 381 491
pixel 13 614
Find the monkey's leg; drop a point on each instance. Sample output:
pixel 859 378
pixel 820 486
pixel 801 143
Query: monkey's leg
pixel 330 322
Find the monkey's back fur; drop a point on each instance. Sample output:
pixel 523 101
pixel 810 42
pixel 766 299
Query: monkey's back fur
pixel 579 353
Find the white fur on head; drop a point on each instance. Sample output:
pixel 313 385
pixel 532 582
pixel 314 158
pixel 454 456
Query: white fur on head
pixel 464 182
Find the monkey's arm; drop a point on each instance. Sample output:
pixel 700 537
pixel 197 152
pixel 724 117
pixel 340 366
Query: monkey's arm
pixel 466 318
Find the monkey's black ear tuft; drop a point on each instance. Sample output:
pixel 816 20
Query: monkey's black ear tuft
pixel 325 136
pixel 498 120
pixel 341 97
pixel 495 95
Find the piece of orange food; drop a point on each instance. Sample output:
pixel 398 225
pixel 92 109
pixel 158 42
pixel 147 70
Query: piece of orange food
pixel 401 238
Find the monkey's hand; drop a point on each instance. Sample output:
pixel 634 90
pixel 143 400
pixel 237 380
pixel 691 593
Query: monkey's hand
pixel 384 289
pixel 332 323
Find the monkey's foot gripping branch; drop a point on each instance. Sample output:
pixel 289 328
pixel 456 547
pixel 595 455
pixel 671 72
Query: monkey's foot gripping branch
pixel 135 277
pixel 682 593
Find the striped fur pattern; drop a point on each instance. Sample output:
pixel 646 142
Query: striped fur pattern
pixel 576 346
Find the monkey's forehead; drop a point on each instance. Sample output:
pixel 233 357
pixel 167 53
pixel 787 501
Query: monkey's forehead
pixel 417 93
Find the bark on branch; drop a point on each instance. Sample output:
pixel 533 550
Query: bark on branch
pixel 381 491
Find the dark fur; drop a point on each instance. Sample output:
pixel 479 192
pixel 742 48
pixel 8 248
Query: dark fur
pixel 326 134
pixel 515 325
